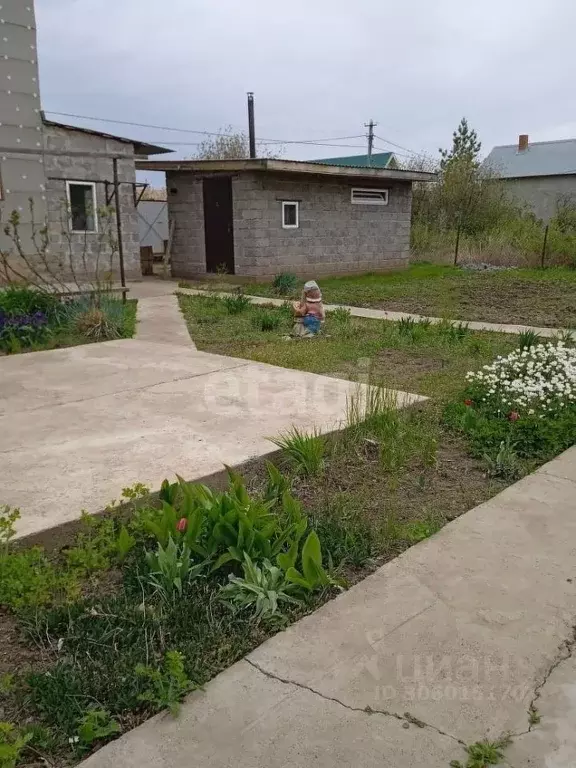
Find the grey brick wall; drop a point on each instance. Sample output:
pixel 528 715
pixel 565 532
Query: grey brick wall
pixel 334 236
pixel 186 209
pixel 92 247
pixel 541 193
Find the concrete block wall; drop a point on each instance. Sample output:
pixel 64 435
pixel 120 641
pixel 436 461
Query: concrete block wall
pixel 91 252
pixel 186 209
pixel 335 236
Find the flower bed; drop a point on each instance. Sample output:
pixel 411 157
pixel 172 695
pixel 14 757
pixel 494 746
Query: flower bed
pixel 31 319
pixel 526 399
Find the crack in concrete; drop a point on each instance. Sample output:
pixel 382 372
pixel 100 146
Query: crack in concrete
pixel 564 653
pixel 406 718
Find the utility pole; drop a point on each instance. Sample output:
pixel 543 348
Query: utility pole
pixel 251 128
pixel 371 125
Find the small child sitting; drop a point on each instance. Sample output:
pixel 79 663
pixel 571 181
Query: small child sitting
pixel 309 311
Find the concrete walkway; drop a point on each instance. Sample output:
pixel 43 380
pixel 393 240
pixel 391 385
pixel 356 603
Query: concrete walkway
pixel 79 424
pixel 380 314
pixel 454 641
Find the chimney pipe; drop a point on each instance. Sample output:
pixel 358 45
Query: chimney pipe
pixel 522 142
pixel 251 128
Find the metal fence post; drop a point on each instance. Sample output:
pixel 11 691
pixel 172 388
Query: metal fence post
pixel 544 244
pixel 457 245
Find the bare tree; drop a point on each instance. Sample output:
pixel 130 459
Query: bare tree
pixel 230 145
pixel 66 270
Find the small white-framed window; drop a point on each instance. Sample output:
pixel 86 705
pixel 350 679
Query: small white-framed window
pixel 81 197
pixel 367 196
pixel 290 214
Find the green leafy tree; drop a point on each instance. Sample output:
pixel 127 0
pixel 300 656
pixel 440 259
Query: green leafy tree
pixel 465 147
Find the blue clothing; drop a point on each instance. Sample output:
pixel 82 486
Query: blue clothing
pixel 311 323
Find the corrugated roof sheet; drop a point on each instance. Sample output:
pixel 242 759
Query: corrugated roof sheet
pixel 542 158
pixel 378 160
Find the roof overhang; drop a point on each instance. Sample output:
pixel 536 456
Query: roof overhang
pixel 284 166
pixel 141 148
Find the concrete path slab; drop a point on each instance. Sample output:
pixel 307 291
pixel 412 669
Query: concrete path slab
pixel 450 643
pixel 487 604
pixel 225 724
pixel 77 425
pixel 380 314
pixel 551 742
pixel 160 320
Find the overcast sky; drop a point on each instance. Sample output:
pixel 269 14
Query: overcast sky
pixel 319 68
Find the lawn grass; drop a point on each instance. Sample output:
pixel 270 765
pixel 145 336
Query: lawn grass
pixel 424 359
pixel 537 297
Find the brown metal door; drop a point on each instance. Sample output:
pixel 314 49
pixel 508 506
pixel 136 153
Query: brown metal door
pixel 218 227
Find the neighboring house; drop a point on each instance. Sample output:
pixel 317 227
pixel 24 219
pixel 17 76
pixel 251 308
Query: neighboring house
pixel 67 172
pixel 260 217
pixel 376 160
pixel 539 174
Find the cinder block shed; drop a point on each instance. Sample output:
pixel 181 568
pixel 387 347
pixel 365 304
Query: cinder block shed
pixel 260 217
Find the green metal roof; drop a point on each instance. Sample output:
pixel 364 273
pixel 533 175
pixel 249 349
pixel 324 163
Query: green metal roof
pixel 378 160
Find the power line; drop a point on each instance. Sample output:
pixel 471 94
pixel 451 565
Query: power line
pixel 306 143
pixel 387 141
pixel 201 133
pixel 400 154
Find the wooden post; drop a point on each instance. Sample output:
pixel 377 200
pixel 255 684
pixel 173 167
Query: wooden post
pixel 147 260
pixel 168 250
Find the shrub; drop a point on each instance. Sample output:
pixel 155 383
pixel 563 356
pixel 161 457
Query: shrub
pixel 236 304
pixel 305 451
pixel 285 283
pixel 266 320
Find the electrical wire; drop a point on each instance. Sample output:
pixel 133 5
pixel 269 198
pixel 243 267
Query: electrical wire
pixel 387 141
pixel 318 142
pixel 307 143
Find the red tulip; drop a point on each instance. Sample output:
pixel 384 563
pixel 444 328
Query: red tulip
pixel 182 524
pixel 468 402
pixel 513 416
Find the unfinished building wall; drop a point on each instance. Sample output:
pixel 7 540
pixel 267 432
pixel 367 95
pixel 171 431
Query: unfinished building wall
pixel 91 251
pixel 22 173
